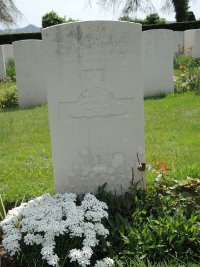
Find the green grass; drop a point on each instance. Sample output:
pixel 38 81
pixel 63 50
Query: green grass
pixel 25 154
pixel 172 134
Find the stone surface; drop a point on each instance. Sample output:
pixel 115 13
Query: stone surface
pixel 192 43
pixel 28 56
pixel 95 100
pixel 6 54
pixel 157 62
pixel 178 38
pixel 2 64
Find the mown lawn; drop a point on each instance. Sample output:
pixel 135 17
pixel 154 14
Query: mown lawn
pixel 172 134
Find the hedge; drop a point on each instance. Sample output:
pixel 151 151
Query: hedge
pixel 9 38
pixel 178 26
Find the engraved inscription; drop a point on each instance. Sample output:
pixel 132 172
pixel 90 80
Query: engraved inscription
pixel 90 166
pixel 95 101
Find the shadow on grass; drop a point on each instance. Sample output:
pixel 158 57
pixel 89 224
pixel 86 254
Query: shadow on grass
pixel 156 97
pixel 17 108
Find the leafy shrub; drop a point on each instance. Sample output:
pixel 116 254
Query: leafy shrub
pixel 10 70
pixel 154 19
pixel 8 95
pixel 129 19
pixel 181 59
pixel 188 76
pixel 160 224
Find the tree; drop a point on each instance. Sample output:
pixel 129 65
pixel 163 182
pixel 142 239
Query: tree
pixel 181 8
pixel 8 12
pixel 52 18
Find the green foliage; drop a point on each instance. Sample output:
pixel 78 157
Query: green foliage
pixel 71 20
pixel 187 78
pixel 161 224
pixel 52 18
pixel 181 59
pixel 191 16
pixel 26 169
pixel 2 209
pixel 178 26
pixel 10 38
pixel 150 19
pixel 129 19
pixel 8 94
pixel 154 19
pixel 10 70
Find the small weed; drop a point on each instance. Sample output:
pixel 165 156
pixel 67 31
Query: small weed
pixel 187 74
pixel 10 70
pixel 8 94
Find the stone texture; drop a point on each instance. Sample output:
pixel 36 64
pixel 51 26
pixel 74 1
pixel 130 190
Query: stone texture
pixel 157 62
pixel 28 56
pixel 192 43
pixel 178 38
pixel 6 54
pixel 95 100
pixel 2 64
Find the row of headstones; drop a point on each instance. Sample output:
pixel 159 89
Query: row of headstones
pixel 94 74
pixel 159 47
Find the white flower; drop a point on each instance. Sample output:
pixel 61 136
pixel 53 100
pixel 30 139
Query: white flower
pixel 41 220
pixel 81 256
pixel 106 262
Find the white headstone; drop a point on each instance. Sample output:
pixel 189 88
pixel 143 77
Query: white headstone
pixel 192 43
pixel 95 101
pixel 158 62
pixel 6 54
pixel 28 57
pixel 2 64
pixel 178 38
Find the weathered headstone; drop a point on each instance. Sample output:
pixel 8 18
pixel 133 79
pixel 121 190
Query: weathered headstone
pixel 28 56
pixel 192 43
pixel 6 54
pixel 178 38
pixel 158 62
pixel 95 101
pixel 2 64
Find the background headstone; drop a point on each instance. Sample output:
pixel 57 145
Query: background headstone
pixel 29 65
pixel 95 101
pixel 192 43
pixel 158 56
pixel 6 54
pixel 178 38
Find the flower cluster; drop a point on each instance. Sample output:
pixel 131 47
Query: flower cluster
pixel 41 220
